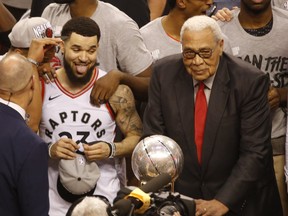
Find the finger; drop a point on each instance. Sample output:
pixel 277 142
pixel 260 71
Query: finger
pixel 214 17
pixel 68 144
pixel 65 154
pixel 94 96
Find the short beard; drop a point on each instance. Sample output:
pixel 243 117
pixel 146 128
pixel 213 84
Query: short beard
pixel 78 80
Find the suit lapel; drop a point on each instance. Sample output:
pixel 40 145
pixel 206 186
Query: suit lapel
pixel 217 104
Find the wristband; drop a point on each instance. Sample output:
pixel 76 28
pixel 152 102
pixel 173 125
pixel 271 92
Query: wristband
pixel 33 62
pixel 112 148
pixel 49 148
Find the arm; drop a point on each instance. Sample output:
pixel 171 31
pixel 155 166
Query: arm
pixel 127 119
pixel 107 85
pixel 36 52
pixel 224 15
pixel 33 183
pixel 7 20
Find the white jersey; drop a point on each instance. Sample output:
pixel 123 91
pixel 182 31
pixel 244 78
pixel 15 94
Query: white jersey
pixel 71 115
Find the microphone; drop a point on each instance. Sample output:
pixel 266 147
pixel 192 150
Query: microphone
pixel 156 183
pixel 139 198
pixel 121 207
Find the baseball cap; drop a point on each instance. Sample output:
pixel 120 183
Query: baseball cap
pixel 77 178
pixel 29 28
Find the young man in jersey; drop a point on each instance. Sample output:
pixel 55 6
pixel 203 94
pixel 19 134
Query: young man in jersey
pixel 68 118
pixel 121 52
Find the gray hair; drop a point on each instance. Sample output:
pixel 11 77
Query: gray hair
pixel 199 23
pixel 90 206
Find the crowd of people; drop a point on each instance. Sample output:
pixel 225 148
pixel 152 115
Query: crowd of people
pixel 83 81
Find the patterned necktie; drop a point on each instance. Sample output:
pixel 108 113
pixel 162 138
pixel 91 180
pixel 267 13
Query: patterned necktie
pixel 200 118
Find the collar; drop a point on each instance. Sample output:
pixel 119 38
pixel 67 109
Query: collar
pixel 208 82
pixel 14 106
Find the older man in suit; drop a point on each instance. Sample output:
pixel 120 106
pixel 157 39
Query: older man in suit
pixel 215 107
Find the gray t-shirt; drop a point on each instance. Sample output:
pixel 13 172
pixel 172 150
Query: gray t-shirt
pixel 268 53
pixel 157 41
pixel 121 45
pixel 160 44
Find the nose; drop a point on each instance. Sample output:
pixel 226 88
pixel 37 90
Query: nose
pixel 83 56
pixel 197 60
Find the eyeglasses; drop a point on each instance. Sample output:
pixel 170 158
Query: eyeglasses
pixel 203 53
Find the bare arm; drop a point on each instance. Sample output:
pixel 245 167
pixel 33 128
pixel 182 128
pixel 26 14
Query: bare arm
pixel 36 52
pixel 105 87
pixel 127 119
pixel 7 20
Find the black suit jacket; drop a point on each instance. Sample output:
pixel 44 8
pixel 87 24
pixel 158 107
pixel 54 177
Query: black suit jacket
pixel 237 164
pixel 23 167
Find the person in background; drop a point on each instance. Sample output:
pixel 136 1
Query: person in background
pixel 215 107
pixel 250 35
pixel 138 10
pixel 23 154
pixel 17 7
pixel 162 35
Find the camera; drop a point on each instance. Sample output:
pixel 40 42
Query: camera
pixel 167 203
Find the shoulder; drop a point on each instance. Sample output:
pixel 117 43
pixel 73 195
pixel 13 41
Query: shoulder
pixel 53 9
pixel 151 26
pixel 124 92
pixel 122 98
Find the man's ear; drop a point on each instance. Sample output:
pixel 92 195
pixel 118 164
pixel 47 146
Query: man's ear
pixel 181 3
pixel 19 51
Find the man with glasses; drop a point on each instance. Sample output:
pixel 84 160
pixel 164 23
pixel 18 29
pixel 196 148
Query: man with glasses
pixel 215 107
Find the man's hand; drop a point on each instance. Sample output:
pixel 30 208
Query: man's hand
pixel 105 87
pixel 97 151
pixel 64 148
pixel 224 15
pixel 210 208
pixel 274 98
pixel 38 47
pixel 47 73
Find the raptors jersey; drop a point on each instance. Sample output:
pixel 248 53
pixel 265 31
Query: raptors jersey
pixel 71 115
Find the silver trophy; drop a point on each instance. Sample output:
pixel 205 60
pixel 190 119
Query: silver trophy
pixel 155 155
